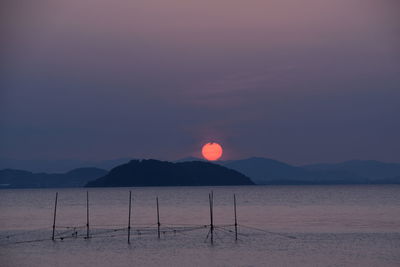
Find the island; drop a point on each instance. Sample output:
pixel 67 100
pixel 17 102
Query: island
pixel 163 173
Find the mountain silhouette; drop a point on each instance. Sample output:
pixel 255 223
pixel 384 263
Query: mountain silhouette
pixel 263 170
pixel 269 171
pixel 190 159
pixel 58 165
pixel 374 170
pixel 10 178
pixel 163 173
pixel 259 170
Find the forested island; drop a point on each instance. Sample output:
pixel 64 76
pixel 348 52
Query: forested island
pixel 163 173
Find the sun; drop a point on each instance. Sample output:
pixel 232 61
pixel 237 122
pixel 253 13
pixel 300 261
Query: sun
pixel 212 151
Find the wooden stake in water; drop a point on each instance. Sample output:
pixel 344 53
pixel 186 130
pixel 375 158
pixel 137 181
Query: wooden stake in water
pixel 234 208
pixel 87 214
pixel 54 219
pixel 211 198
pixel 129 217
pixel 158 219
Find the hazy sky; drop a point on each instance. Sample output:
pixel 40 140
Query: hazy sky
pixel 301 81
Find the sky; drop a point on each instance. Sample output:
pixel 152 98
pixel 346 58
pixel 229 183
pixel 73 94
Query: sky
pixel 302 81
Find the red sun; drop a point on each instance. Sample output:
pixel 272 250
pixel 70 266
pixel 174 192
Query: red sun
pixel 212 151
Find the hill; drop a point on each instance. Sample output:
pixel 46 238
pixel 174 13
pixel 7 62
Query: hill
pixel 263 170
pixel 58 165
pixel 269 171
pixel 10 178
pixel 162 173
pixel 371 169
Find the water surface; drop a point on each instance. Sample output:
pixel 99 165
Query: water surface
pixel 302 226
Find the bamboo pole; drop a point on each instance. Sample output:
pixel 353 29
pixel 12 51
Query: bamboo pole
pixel 54 219
pixel 234 207
pixel 129 217
pixel 158 219
pixel 87 214
pixel 210 197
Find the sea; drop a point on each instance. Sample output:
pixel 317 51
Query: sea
pixel 276 226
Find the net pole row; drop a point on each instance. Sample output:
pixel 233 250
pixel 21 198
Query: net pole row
pixel 211 204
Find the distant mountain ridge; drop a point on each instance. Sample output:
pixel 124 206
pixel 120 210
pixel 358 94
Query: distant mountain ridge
pixel 269 171
pixel 58 166
pixel 163 173
pixel 10 178
pixel 259 170
pixel 368 168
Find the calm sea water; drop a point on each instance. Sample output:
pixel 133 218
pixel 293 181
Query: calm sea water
pixel 278 226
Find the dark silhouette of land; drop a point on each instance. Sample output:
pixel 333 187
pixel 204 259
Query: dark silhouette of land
pixel 272 172
pixel 58 165
pixel 10 178
pixel 372 169
pixel 269 171
pixel 164 173
pixel 194 171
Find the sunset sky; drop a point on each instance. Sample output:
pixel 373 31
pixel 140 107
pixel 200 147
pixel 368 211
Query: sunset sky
pixel 301 81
